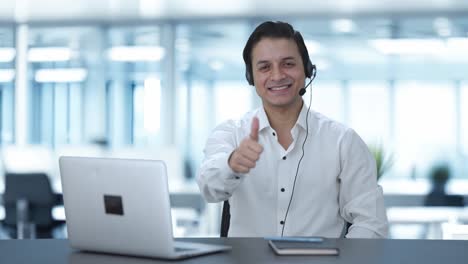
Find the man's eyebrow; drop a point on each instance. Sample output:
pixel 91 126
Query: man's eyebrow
pixel 285 58
pixel 289 58
pixel 262 62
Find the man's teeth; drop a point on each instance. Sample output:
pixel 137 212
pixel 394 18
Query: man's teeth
pixel 279 88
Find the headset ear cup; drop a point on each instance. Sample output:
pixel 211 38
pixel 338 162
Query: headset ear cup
pixel 248 77
pixel 309 69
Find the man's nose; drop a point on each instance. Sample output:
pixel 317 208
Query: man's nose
pixel 277 73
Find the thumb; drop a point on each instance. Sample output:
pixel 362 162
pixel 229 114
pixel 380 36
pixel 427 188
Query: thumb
pixel 254 129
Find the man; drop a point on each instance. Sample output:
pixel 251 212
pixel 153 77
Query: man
pixel 285 169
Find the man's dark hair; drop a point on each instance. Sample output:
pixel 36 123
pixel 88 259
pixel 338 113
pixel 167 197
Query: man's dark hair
pixel 270 29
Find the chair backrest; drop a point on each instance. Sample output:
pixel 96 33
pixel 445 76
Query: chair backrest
pixel 225 219
pixel 442 199
pixel 36 190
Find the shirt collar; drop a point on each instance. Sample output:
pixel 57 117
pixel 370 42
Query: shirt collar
pixel 263 119
pixel 301 121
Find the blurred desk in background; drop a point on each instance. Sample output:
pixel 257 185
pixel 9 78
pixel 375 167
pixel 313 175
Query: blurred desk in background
pixel 431 218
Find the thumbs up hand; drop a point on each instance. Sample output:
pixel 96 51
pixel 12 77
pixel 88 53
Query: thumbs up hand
pixel 246 155
pixel 254 129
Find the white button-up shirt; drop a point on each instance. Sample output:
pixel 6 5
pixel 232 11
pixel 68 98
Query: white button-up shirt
pixel 336 182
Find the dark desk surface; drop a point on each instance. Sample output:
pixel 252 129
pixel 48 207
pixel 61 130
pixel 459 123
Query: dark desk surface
pixel 252 250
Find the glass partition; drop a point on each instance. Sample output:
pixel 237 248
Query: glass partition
pixel 170 83
pixel 7 80
pixel 212 85
pixel 61 67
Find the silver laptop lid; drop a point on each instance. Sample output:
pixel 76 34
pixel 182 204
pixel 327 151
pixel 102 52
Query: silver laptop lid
pixel 117 205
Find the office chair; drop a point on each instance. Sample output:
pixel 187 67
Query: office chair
pixel 225 219
pixel 29 198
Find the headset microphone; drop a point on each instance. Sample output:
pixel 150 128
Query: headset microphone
pixel 302 91
pixel 313 72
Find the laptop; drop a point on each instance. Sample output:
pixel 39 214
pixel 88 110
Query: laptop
pixel 122 206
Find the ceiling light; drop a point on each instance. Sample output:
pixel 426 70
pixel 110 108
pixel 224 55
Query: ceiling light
pixel 408 46
pixel 343 25
pixel 136 53
pixel 7 75
pixel 7 54
pixel 60 75
pixel 49 54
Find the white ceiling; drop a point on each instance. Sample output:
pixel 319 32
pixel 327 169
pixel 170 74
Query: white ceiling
pixel 52 10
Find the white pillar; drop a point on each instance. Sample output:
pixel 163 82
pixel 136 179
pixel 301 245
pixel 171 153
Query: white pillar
pixel 169 87
pixel 21 86
pixel 94 90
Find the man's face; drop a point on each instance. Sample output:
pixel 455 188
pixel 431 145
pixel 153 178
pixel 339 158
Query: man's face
pixel 278 72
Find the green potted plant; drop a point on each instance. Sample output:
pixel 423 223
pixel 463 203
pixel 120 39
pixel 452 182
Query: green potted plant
pixel 384 160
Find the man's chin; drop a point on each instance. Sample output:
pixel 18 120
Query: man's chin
pixel 281 103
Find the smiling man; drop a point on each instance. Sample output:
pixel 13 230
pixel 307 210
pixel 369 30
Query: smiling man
pixel 286 169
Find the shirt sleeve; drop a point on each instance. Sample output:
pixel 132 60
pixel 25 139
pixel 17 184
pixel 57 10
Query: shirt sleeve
pixel 216 180
pixel 361 198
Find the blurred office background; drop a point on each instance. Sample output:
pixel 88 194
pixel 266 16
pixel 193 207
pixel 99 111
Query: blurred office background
pixel 152 78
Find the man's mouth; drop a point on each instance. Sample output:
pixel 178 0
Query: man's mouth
pixel 279 88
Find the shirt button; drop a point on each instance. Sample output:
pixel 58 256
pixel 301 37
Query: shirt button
pixel 237 177
pixel 274 134
pixel 284 158
pixel 282 222
pixel 226 193
pixel 282 189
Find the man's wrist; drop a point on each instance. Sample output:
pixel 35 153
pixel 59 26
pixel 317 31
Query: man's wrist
pixel 229 159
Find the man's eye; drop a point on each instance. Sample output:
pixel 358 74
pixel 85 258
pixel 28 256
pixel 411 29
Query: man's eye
pixel 263 68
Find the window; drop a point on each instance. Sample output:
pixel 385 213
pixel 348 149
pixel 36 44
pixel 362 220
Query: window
pixel 425 124
pixel 464 119
pixel 137 89
pixel 328 99
pixel 58 61
pixel 147 111
pixel 212 86
pixel 369 111
pixel 201 119
pixel 232 100
pixel 7 79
